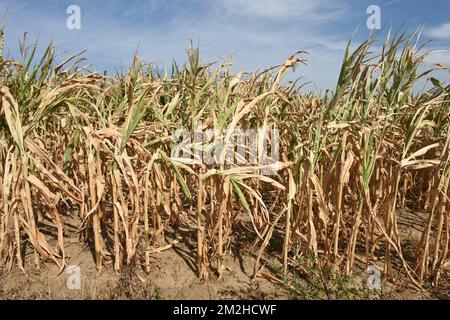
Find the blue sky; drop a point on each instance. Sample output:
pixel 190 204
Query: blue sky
pixel 257 34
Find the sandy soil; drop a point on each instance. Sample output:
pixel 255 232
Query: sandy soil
pixel 172 277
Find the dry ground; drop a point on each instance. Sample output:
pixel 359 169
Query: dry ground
pixel 173 277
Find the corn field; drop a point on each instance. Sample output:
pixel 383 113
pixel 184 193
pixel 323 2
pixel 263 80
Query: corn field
pixel 79 147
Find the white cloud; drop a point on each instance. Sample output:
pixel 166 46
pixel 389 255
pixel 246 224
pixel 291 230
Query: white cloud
pixel 439 57
pixel 440 32
pixel 284 9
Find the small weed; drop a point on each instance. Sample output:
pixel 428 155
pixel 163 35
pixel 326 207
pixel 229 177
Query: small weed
pixel 130 287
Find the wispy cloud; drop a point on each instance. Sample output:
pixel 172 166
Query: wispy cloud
pixel 439 57
pixel 287 9
pixel 440 32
